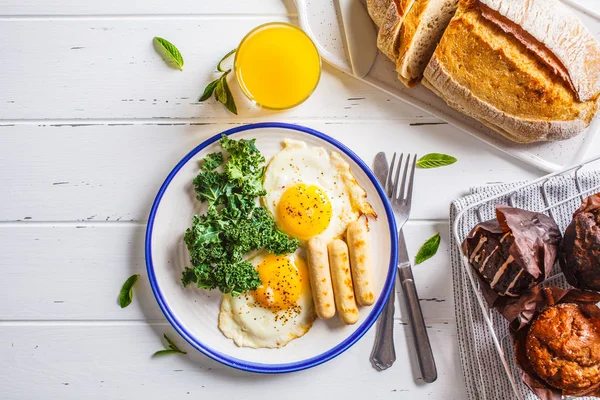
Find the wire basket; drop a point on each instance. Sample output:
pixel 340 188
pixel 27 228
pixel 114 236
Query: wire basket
pixel 575 184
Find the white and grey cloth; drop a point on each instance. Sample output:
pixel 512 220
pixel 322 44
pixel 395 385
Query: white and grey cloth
pixel 483 371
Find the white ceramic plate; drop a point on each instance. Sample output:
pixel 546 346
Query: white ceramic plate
pixel 193 312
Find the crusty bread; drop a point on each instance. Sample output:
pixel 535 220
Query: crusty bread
pixel 377 10
pixel 390 28
pixel 495 70
pixel 421 30
pixel 553 26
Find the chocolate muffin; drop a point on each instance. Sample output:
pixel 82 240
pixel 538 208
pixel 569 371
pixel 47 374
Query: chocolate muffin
pixel 580 250
pixel 489 254
pixel 514 252
pixel 563 348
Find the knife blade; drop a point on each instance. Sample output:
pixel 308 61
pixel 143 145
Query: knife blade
pixel 381 168
pixel 361 36
pixel 422 345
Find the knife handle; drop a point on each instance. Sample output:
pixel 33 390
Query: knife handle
pixel 384 352
pixel 423 347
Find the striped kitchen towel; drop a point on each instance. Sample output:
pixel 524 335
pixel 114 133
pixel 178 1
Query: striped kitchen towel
pixel 483 371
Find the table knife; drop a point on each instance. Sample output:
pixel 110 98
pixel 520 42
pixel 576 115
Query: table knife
pixel 384 355
pixel 422 345
pixel 361 36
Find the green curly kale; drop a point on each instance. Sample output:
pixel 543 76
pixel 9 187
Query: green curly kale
pixel 233 224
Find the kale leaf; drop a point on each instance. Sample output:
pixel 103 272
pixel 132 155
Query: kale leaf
pixel 233 224
pixel 212 161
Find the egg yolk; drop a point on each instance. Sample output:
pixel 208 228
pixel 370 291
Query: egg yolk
pixel 304 211
pixel 283 281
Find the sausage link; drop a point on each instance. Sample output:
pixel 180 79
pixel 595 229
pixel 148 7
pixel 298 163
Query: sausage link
pixel 360 262
pixel 341 277
pixel 320 278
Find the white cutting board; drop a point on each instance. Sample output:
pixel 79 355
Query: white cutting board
pixel 320 20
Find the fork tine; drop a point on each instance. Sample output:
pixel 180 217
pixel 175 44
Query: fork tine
pixel 394 195
pixel 411 181
pixel 403 184
pixel 388 184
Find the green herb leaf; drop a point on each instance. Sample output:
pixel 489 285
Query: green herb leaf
pixel 220 93
pixel 212 161
pixel 127 291
pixel 230 104
pixel 172 345
pixel 220 87
pixel 435 160
pixel 429 248
pixel 161 352
pixel 208 91
pixel 223 59
pixel 169 52
pixel 172 348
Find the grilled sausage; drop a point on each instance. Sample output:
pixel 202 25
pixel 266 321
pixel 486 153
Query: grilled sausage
pixel 360 262
pixel 339 264
pixel 320 278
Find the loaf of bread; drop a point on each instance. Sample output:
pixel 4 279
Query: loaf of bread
pixel 422 29
pixel 528 69
pixel 409 31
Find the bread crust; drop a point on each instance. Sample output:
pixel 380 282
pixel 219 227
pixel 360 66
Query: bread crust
pixel 389 30
pixel 514 128
pixel 554 26
pixel 377 10
pixel 421 30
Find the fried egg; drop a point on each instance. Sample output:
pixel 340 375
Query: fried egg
pixel 280 310
pixel 311 193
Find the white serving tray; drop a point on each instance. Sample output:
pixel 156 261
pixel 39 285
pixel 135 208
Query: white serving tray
pixel 320 20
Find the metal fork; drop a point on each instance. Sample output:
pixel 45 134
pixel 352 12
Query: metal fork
pixel 384 354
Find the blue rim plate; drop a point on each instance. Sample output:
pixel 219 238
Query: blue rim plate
pixel 261 367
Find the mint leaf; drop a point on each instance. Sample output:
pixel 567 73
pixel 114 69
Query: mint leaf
pixel 220 93
pixel 230 103
pixel 208 91
pixel 169 52
pixel 429 248
pixel 161 352
pixel 220 88
pixel 126 293
pixel 435 160
pixel 172 348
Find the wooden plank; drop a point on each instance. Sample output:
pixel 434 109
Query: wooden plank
pixel 150 7
pixel 65 272
pixel 157 7
pixel 105 69
pixel 104 172
pixel 114 362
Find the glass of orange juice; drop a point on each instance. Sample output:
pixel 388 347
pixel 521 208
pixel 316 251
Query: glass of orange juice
pixel 277 65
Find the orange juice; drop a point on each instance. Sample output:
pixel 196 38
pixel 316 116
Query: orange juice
pixel 277 65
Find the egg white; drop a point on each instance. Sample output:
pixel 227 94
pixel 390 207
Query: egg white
pixel 248 324
pixel 297 164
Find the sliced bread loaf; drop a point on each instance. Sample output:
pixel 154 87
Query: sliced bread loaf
pixel 390 27
pixel 535 80
pixel 421 30
pixel 377 10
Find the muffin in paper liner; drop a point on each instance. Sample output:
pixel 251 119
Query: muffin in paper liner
pixel 512 253
pixel 580 251
pixel 556 338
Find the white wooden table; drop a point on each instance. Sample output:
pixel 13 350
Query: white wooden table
pixel 91 122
